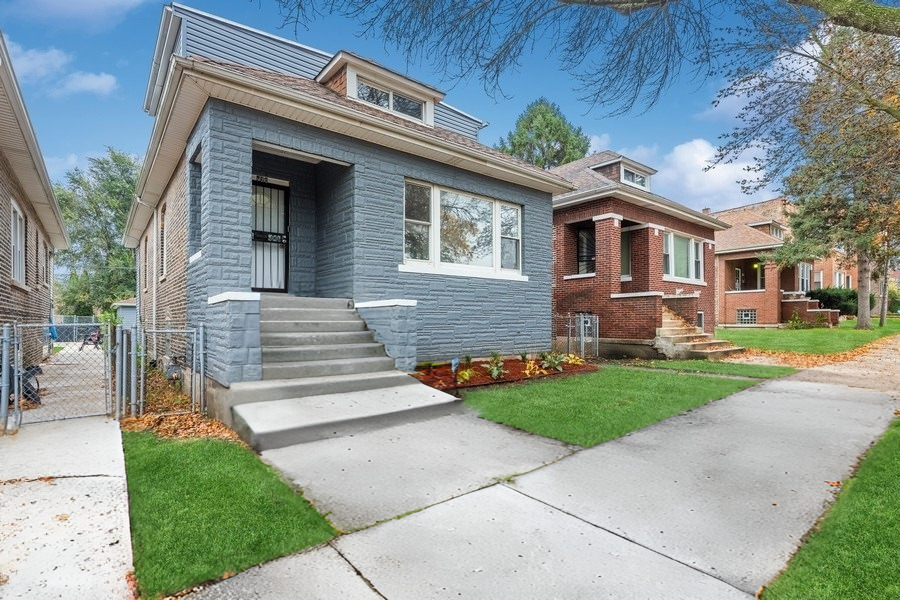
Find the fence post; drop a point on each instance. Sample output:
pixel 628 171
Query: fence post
pixel 143 370
pixel 202 356
pixel 119 373
pixel 4 379
pixel 134 350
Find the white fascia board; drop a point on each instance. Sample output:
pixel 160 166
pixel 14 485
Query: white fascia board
pixel 749 249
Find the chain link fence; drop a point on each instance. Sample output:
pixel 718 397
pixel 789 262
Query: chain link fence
pixel 577 333
pixel 55 371
pixel 171 372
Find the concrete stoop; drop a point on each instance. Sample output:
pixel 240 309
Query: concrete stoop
pixel 323 375
pixel 677 339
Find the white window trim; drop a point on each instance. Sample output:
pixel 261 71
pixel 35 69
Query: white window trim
pixel 631 183
pixel 579 276
pixel 435 266
pixel 804 273
pixel 354 78
pixel 694 242
pixel 18 239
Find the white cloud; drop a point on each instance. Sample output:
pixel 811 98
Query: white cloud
pixel 57 166
pixel 647 155
pixel 79 82
pixel 95 15
pixel 682 177
pixel 599 143
pixel 36 65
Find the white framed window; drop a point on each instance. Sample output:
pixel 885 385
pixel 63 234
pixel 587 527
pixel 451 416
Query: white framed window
pixel 746 316
pixel 849 281
pixel 838 279
pixel 682 257
pixel 776 231
pixel 625 254
pixel 635 178
pixel 390 100
pixel 17 245
pixel 458 233
pixel 805 271
pixel 818 276
pixel 586 249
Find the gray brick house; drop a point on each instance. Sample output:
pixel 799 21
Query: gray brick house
pixel 277 170
pixel 31 225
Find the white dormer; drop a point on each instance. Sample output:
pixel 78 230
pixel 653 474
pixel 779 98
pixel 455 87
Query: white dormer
pixel 369 82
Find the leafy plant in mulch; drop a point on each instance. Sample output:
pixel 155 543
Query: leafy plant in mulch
pixel 494 366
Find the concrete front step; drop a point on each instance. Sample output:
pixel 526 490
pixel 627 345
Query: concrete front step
pixel 683 330
pixel 271 301
pixel 323 338
pixel 249 392
pixel 309 314
pixel 703 345
pixel 688 337
pixel 280 423
pixel 313 368
pixel 267 326
pixel 714 354
pixel 281 354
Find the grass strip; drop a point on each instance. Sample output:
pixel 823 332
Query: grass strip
pixel 809 341
pixel 853 554
pixel 591 408
pixel 203 508
pixel 718 368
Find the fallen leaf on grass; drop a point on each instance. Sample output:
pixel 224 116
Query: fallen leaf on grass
pixel 191 425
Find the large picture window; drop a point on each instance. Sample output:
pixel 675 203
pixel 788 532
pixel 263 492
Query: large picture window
pixel 17 236
pixel 682 257
pixel 448 229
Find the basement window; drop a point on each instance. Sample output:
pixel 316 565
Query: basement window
pixel 746 316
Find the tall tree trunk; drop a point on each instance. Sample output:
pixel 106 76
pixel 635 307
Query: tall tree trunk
pixel 864 284
pixel 882 315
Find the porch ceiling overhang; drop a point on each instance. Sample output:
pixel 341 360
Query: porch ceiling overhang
pixel 749 249
pixel 20 147
pixel 191 83
pixel 643 199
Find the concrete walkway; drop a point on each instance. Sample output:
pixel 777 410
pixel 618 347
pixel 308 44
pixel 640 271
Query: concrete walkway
pixel 64 530
pixel 710 504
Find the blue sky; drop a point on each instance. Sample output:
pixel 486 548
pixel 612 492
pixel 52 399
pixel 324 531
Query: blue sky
pixel 83 67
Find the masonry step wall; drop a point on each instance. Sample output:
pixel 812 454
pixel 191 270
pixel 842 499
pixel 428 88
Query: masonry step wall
pixel 679 340
pixel 323 375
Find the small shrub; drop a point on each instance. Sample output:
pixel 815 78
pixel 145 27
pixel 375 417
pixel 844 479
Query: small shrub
pixel 552 360
pixel 494 366
pixel 467 361
pixel 532 369
pixel 574 359
pixel 842 299
pixel 523 356
pixel 464 375
pixel 795 322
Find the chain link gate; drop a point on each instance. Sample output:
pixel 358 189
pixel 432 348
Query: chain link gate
pixel 578 333
pixel 53 372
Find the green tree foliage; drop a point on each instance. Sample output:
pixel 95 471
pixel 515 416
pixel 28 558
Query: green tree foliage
pixel 95 204
pixel 847 191
pixel 544 137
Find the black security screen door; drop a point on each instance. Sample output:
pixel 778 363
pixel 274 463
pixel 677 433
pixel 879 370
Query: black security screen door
pixel 269 232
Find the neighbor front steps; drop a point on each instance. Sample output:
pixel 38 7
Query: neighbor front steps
pixel 678 339
pixel 323 375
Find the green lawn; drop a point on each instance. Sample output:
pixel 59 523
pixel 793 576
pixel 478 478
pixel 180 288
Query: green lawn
pixel 591 408
pixel 809 341
pixel 854 553
pixel 203 508
pixel 719 368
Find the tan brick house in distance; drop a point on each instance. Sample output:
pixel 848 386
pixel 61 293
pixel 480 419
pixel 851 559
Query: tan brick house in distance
pixel 638 261
pixel 752 292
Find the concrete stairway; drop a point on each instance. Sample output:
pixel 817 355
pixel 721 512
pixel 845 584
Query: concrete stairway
pixel 324 375
pixel 678 339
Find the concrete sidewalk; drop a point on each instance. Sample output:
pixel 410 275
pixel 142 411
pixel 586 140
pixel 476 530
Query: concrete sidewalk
pixel 64 530
pixel 709 504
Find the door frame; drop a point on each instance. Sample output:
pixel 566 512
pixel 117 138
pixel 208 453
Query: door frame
pixel 269 237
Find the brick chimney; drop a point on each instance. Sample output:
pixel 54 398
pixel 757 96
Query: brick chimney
pixel 706 211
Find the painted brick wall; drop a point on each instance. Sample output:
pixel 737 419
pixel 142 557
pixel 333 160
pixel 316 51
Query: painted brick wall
pixel 29 303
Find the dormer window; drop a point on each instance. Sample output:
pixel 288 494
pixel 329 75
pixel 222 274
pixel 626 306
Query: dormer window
pixel 634 178
pixel 389 100
pixel 776 231
pixel 365 81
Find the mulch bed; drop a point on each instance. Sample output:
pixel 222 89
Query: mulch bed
pixel 441 376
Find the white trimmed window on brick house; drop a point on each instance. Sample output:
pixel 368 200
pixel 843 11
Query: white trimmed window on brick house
pixel 18 227
pixel 457 233
pixel 682 258
pixel 805 271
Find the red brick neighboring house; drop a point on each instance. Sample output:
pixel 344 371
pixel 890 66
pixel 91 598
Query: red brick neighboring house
pixel 753 292
pixel 623 253
pixel 31 225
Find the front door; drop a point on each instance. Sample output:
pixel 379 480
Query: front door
pixel 269 225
